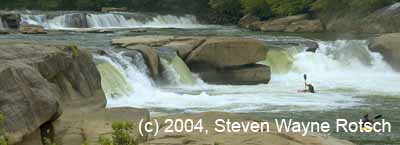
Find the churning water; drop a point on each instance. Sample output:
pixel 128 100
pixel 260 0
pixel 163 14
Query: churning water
pixel 340 70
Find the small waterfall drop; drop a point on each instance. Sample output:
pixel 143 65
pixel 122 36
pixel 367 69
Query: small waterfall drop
pixel 3 25
pixel 107 21
pixel 177 72
pixel 113 82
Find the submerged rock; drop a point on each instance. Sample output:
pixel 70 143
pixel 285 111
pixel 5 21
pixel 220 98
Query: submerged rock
pixel 388 46
pixel 243 75
pixel 151 57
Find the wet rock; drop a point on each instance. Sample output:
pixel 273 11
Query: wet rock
pixel 11 19
pixel 151 57
pixel 32 29
pixel 243 75
pixel 4 32
pixel 138 30
pixel 388 46
pixel 227 52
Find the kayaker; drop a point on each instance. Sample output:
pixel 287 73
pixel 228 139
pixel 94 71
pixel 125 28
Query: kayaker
pixel 310 88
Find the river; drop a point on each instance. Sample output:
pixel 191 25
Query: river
pixel 349 79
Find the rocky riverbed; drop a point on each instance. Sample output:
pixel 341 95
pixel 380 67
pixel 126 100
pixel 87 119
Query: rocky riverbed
pixel 53 83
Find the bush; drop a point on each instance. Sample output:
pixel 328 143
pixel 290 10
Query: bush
pixel 3 138
pixel 258 8
pixel 283 8
pixel 121 135
pixel 224 11
pixel 349 6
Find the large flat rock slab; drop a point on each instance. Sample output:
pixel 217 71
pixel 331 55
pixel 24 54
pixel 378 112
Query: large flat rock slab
pixel 240 138
pixel 227 52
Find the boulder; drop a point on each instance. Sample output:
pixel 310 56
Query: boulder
pixel 247 20
pixel 240 138
pixel 280 25
pixel 31 29
pixel 305 26
pixel 222 52
pixel 297 23
pixel 389 46
pixel 149 40
pixel 185 45
pixel 28 100
pixel 83 123
pixel 243 75
pixel 38 81
pixel 151 57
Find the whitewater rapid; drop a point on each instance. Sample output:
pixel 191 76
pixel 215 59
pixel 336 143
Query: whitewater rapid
pixel 110 20
pixel 342 71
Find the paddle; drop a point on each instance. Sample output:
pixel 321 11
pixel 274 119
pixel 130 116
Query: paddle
pixel 305 81
pixel 377 117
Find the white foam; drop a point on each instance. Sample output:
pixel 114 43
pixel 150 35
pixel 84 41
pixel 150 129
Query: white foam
pixel 339 77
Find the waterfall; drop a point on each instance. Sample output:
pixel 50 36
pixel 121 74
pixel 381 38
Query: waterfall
pixel 177 72
pixel 280 61
pixel 109 20
pixel 113 82
pixel 3 25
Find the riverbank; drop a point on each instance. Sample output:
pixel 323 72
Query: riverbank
pixel 379 21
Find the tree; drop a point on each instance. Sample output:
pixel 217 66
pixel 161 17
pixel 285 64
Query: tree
pixel 258 8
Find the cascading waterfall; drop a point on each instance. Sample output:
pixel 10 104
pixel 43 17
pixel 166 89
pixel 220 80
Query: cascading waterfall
pixel 3 25
pixel 110 20
pixel 107 21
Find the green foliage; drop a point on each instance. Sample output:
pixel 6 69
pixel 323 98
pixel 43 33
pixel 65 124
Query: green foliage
pixel 86 142
pixel 258 8
pixel 349 6
pixel 276 8
pixel 3 138
pixel 121 135
pixel 289 7
pixel 74 49
pixel 47 141
pixel 229 7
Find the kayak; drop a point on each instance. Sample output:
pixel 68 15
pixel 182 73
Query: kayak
pixel 302 91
